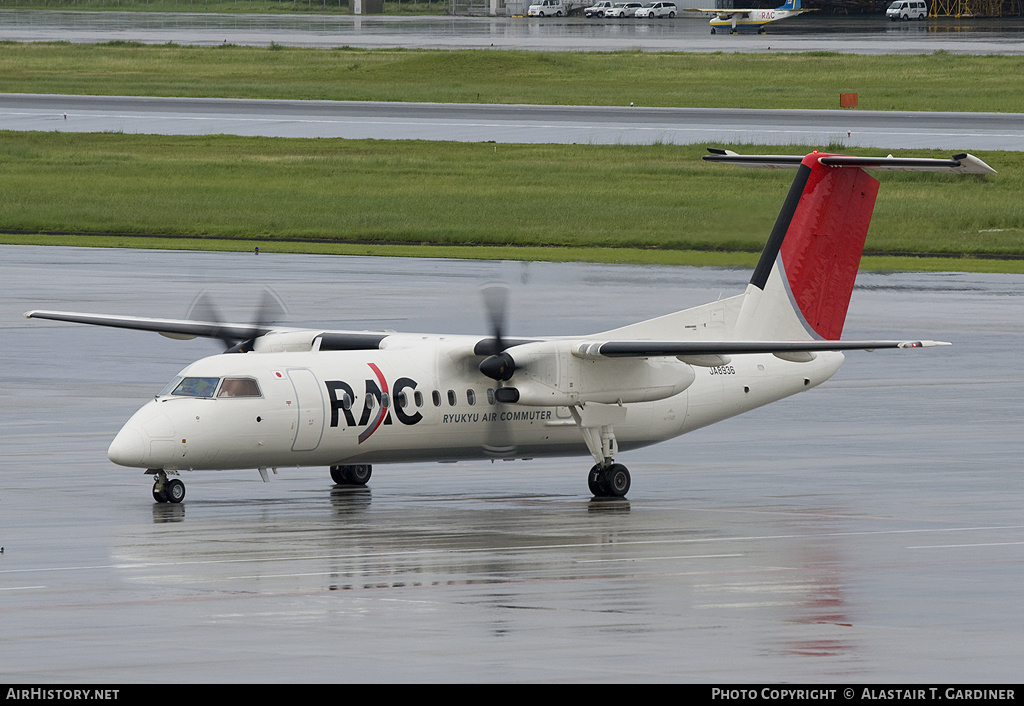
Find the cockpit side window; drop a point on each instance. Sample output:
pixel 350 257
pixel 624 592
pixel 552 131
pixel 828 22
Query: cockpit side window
pixel 196 387
pixel 239 387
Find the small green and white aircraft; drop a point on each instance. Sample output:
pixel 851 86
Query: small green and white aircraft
pixel 281 397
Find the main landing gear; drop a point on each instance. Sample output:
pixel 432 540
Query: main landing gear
pixel 166 490
pixel 606 479
pixel 358 474
pixel 611 481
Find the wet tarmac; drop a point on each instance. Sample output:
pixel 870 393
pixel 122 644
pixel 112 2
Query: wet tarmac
pixel 867 531
pixel 808 32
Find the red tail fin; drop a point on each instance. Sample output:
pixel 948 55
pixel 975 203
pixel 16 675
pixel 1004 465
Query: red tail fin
pixel 821 251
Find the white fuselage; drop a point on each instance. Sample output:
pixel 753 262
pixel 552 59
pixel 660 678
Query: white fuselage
pixel 420 399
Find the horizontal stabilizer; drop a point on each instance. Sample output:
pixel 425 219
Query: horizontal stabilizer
pixel 957 164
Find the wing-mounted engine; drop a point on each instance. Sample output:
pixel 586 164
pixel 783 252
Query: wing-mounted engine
pixel 285 341
pixel 561 373
pixel 300 340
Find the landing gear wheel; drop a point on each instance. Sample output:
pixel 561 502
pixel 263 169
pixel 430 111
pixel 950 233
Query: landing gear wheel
pixel 174 491
pixel 158 494
pixel 358 474
pixel 615 481
pixel 610 482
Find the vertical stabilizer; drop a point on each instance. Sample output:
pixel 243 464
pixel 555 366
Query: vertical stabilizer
pixel 802 284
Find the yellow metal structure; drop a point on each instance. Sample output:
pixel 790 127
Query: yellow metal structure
pixel 974 8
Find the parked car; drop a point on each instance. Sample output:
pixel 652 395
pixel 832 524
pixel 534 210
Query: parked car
pixel 547 8
pixel 598 9
pixel 623 9
pixel 907 10
pixel 657 9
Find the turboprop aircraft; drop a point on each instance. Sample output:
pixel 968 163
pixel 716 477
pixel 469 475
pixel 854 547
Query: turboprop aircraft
pixel 286 396
pixel 750 18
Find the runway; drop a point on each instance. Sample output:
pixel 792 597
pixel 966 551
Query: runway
pixel 511 123
pixel 866 531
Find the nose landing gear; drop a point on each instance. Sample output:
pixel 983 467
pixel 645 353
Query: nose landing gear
pixel 166 490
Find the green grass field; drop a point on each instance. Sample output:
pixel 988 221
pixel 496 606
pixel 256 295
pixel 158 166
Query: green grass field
pixel 639 204
pixel 811 80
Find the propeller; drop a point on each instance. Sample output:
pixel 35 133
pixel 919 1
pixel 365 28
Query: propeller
pixel 498 366
pixel 269 311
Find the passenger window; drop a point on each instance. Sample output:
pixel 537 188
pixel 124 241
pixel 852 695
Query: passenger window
pixel 239 387
pixel 471 397
pixel 490 396
pixel 452 399
pixel 418 397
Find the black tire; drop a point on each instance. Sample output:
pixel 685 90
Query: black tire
pixel 359 474
pixel 352 475
pixel 174 490
pixel 615 481
pixel 158 495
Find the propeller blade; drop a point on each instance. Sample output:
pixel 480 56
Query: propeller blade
pixel 499 366
pixel 496 303
pixel 269 311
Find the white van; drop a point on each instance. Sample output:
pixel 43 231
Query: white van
pixel 907 10
pixel 547 8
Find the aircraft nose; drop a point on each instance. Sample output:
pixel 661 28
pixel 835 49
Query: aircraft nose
pixel 128 448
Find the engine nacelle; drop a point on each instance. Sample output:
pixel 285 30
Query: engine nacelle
pixel 285 341
pixel 548 374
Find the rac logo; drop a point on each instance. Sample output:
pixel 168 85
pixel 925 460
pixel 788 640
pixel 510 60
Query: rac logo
pixel 375 412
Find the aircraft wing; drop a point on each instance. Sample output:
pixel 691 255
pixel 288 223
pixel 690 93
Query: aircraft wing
pixel 645 349
pixel 723 14
pixel 172 328
pixel 185 329
pixel 958 163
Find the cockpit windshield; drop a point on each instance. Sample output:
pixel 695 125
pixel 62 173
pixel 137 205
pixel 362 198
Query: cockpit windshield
pixel 204 387
pixel 195 387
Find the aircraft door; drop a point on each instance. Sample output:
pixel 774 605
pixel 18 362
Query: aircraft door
pixel 309 425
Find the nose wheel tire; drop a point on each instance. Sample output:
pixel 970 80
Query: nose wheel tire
pixel 171 491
